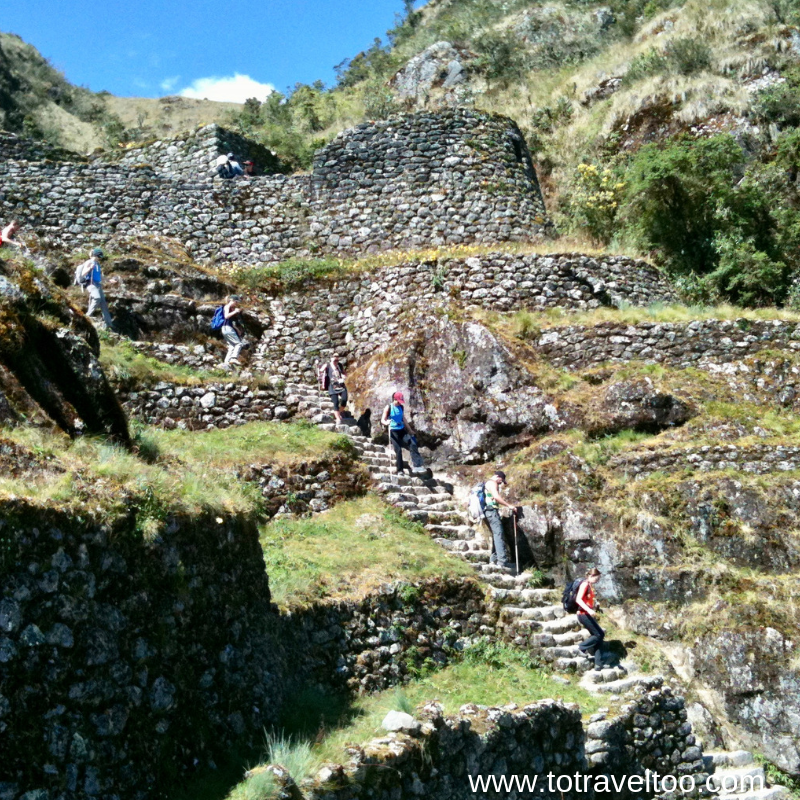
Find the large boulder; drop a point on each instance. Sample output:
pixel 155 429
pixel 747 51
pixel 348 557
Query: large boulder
pixel 467 394
pixel 441 71
pixel 49 368
pixel 637 405
pixel 759 684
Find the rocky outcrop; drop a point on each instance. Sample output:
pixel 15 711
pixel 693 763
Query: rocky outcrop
pixel 439 74
pixel 48 359
pixel 759 688
pixel 466 394
pixel 636 405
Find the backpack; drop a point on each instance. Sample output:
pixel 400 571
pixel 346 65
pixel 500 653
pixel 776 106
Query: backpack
pixel 477 502
pixel 94 275
pixel 218 320
pixel 570 597
pixel 322 374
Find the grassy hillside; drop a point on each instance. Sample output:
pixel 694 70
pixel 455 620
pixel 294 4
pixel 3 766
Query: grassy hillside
pixel 37 100
pixel 658 127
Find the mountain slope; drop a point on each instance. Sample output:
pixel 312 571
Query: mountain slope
pixel 36 99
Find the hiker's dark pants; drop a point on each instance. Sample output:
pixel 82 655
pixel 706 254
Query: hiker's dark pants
pixel 595 640
pixel 401 439
pixel 500 553
pixel 339 398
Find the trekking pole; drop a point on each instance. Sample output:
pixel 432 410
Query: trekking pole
pixel 516 541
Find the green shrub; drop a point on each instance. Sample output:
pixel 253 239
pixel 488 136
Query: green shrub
pixel 684 56
pixel 745 275
pixel 777 105
pixel 502 58
pixel 674 194
pixel 650 62
pixel 688 55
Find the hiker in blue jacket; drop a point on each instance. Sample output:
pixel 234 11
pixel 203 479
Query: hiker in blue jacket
pixel 401 434
pixel 89 276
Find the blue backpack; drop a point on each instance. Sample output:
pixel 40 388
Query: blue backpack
pixel 218 320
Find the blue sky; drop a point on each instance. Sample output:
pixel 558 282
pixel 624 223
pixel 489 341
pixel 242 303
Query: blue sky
pixel 232 49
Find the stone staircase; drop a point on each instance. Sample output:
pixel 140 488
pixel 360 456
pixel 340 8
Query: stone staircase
pixel 529 617
pixel 735 775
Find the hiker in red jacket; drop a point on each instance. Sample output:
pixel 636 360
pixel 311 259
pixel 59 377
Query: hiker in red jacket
pixel 587 616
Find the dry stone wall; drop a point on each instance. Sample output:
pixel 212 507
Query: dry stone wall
pixel 755 459
pixel 422 179
pixel 680 344
pixel 357 316
pixel 441 756
pixel 19 148
pixel 194 155
pixel 211 405
pixel 126 658
pixel 130 661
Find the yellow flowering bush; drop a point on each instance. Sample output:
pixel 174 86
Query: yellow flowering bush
pixel 595 199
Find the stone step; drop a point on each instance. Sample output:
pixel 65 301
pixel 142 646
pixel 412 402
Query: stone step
pixel 437 498
pixel 624 684
pixel 477 556
pixel 433 517
pixel 462 545
pixel 580 664
pixel 418 491
pixel 447 531
pixel 553 653
pixel 768 793
pixel 524 598
pixel 445 505
pixel 381 476
pixel 737 780
pixel 606 675
pixel 499 580
pixel 564 624
pixel 729 758
pixel 512 613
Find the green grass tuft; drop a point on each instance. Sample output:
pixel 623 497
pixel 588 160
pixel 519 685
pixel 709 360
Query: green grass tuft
pixel 349 551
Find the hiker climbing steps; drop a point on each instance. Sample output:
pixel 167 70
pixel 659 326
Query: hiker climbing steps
pixel 529 617
pixel 532 618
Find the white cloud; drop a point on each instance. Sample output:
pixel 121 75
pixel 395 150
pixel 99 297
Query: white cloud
pixel 168 84
pixel 234 89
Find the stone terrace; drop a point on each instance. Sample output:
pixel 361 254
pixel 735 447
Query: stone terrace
pixel 418 180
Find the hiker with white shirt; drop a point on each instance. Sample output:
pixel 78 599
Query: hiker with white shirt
pixel 89 276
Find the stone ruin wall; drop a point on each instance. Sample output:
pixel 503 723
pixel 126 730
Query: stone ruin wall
pixel 437 757
pixel 123 669
pixel 193 156
pixel 416 181
pixel 356 316
pixel 678 344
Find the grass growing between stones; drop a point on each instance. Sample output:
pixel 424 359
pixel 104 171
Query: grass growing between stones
pixel 488 675
pixel 294 272
pixel 349 551
pixel 529 325
pixel 127 367
pixel 172 472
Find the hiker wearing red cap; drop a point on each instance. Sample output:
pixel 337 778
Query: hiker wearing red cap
pixel 249 169
pixel 401 434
